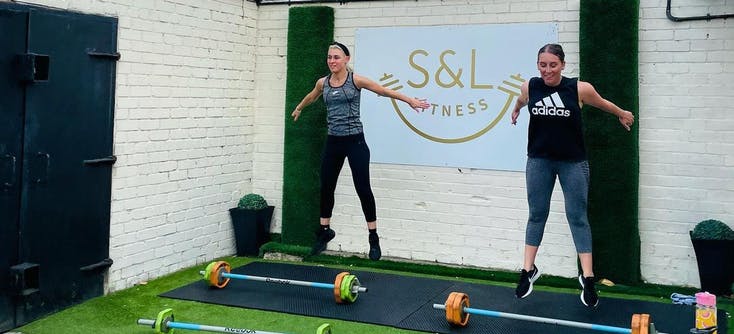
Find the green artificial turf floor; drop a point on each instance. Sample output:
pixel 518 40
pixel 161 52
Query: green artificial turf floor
pixel 118 312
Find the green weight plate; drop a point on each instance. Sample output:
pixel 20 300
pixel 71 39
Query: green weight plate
pixel 347 284
pixel 324 329
pixel 161 322
pixel 343 289
pixel 208 271
pixel 354 287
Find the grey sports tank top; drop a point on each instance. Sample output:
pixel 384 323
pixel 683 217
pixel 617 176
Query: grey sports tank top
pixel 342 107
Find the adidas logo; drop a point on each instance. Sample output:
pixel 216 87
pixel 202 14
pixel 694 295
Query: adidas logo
pixel 550 106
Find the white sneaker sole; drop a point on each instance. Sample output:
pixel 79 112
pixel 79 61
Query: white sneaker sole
pixel 532 280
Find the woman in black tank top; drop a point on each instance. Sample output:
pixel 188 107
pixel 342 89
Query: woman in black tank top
pixel 556 150
pixel 346 140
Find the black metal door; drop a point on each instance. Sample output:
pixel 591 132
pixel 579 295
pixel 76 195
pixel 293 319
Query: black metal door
pixel 12 43
pixel 64 75
pixel 65 200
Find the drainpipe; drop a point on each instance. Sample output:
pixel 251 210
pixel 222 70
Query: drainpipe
pixel 707 17
pixel 295 2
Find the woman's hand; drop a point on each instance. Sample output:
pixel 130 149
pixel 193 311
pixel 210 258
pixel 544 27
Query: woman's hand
pixel 295 114
pixel 419 104
pixel 521 102
pixel 627 119
pixel 515 115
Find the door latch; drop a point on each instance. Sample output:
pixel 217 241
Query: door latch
pixel 101 161
pixel 33 67
pixel 25 278
pixel 104 264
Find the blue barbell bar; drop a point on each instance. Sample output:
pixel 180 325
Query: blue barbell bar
pixel 461 298
pixel 346 287
pixel 204 328
pixel 355 289
pixel 287 281
pixel 165 324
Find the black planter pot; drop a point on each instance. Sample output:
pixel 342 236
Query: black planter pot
pixel 251 229
pixel 715 265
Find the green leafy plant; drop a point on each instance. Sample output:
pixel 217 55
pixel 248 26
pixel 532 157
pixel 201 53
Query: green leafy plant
pixel 712 229
pixel 252 202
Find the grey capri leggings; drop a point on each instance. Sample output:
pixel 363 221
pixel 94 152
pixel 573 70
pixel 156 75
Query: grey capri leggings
pixel 540 180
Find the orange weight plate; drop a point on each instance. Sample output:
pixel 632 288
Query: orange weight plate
pixel 449 310
pixel 215 274
pixel 338 286
pixel 635 326
pixel 644 324
pixel 463 316
pixel 457 312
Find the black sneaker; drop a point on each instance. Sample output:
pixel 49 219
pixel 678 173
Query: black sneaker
pixel 588 295
pixel 375 252
pixel 525 285
pixel 323 238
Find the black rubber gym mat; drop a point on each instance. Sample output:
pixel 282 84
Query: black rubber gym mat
pixel 389 299
pixel 407 302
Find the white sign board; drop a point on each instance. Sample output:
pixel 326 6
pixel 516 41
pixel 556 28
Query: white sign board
pixel 470 74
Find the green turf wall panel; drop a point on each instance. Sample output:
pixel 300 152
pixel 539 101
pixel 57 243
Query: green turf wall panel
pixel 608 46
pixel 310 31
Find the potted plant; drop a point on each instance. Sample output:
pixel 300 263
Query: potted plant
pixel 251 223
pixel 713 242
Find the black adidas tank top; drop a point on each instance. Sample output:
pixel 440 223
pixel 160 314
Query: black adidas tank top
pixel 555 131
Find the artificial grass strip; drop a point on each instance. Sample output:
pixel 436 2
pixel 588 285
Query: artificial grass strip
pixel 497 276
pixel 276 247
pixel 609 48
pixel 310 31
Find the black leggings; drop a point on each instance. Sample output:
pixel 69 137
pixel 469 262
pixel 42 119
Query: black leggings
pixel 355 149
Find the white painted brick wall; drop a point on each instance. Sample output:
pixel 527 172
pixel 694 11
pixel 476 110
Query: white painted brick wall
pixel 184 127
pixel 477 217
pixel 199 118
pixel 686 136
pixel 468 216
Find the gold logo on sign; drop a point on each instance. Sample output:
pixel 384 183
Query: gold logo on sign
pixel 446 77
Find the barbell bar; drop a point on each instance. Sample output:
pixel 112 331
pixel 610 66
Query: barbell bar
pixel 164 324
pixel 346 287
pixel 458 311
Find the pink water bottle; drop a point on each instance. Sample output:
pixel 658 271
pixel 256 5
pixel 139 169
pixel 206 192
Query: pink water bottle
pixel 706 312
